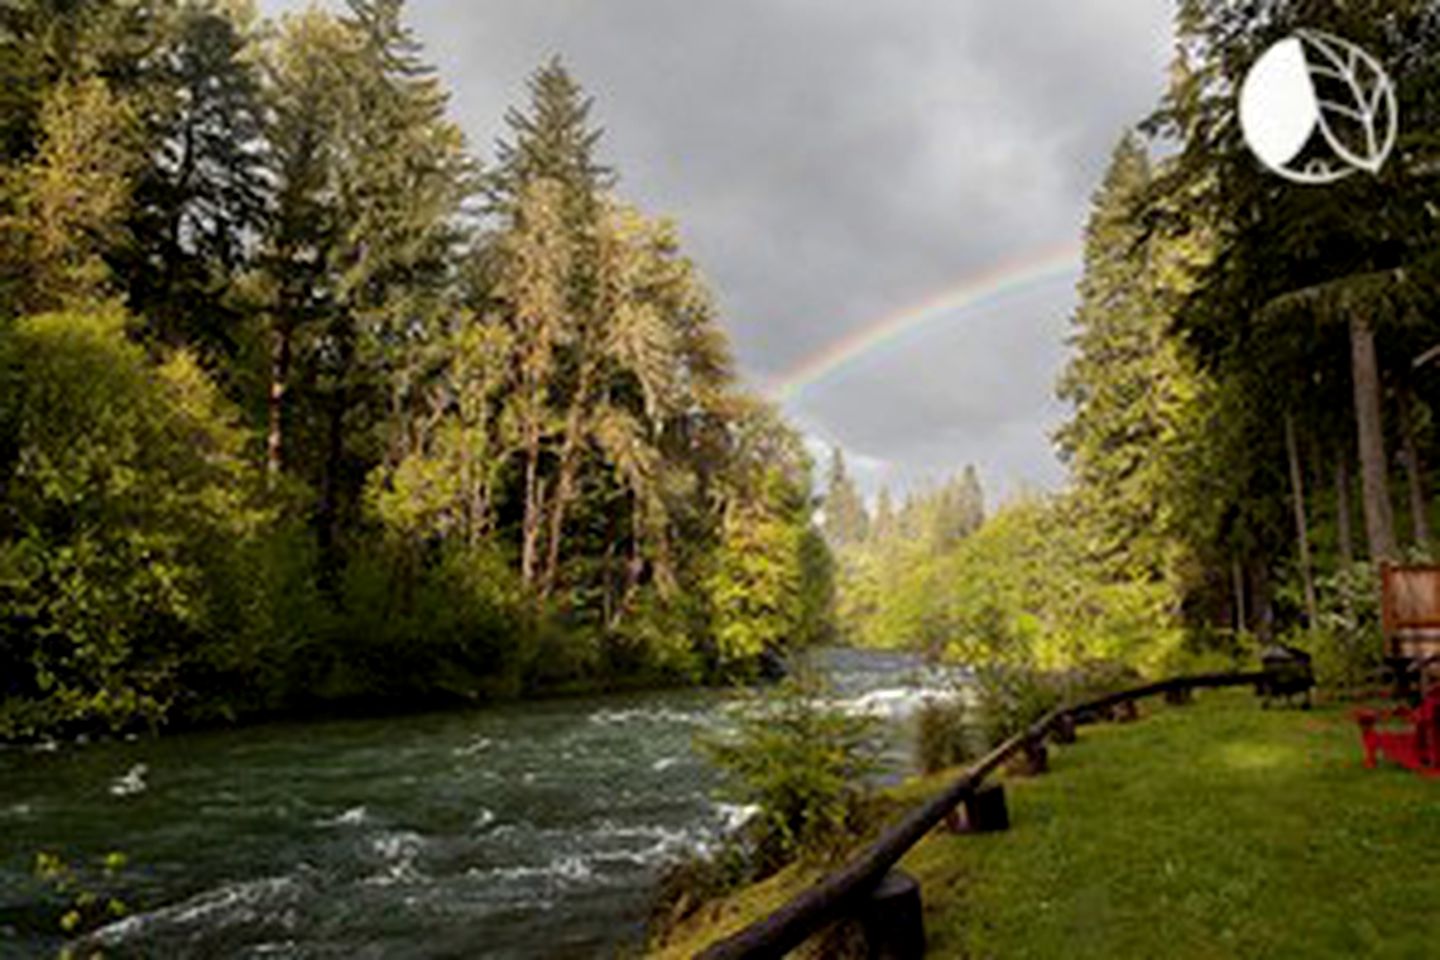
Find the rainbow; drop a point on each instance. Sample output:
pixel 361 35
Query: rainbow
pixel 1007 277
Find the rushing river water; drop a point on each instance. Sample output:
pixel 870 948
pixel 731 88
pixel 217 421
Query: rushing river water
pixel 530 830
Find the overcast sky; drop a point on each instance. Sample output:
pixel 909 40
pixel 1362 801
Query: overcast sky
pixel 831 162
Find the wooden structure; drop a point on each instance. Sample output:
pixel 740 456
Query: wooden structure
pixel 1410 614
pixel 893 920
pixel 850 890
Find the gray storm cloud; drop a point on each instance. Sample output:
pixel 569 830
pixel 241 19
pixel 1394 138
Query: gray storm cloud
pixel 831 162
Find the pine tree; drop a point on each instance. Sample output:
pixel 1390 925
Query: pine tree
pixel 1127 382
pixel 553 140
pixel 884 526
pixel 202 197
pixel 972 502
pixel 846 521
pixel 70 200
pixel 372 178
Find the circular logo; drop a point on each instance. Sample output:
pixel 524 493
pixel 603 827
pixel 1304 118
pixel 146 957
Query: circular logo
pixel 1316 108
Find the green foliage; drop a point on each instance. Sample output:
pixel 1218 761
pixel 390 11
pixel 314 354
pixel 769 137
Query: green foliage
pixel 125 480
pixel 1012 698
pixel 199 194
pixel 802 763
pixel 89 893
pixel 769 584
pixel 69 202
pixel 946 734
pixel 846 521
pixel 756 587
pixel 1348 645
pixel 1026 590
pixel 886 582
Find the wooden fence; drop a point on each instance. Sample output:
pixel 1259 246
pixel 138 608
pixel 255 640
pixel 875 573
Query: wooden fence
pixel 838 895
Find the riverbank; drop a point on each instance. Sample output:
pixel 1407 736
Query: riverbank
pixel 1217 829
pixel 379 707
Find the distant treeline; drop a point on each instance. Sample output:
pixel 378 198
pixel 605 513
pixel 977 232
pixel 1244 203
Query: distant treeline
pixel 1253 382
pixel 300 404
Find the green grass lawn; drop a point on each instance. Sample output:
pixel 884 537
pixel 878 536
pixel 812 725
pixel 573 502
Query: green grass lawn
pixel 1213 830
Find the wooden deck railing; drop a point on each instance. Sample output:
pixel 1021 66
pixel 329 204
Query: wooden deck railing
pixel 837 895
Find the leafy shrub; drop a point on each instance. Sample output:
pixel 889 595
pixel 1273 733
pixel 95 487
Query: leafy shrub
pixel 1013 697
pixel 946 734
pixel 687 885
pixel 658 638
pixel 417 621
pixel 124 478
pixel 88 894
pixel 1347 645
pixel 802 763
pixel 1211 650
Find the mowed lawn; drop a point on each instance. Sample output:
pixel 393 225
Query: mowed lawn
pixel 1211 830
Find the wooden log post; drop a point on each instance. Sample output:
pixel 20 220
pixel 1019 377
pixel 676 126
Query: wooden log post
pixel 1063 730
pixel 985 810
pixel 1126 712
pixel 1037 757
pixel 893 920
pixel 1179 696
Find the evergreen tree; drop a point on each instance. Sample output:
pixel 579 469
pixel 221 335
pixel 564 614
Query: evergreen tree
pixel 1127 381
pixel 70 201
pixel 846 521
pixel 372 178
pixel 884 525
pixel 553 140
pixel 201 199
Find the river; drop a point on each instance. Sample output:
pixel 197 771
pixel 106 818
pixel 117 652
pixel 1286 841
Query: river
pixel 526 830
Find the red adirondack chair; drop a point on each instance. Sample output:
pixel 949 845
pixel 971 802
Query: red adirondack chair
pixel 1417 747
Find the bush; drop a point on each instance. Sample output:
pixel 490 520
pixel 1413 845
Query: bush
pixel 1347 645
pixel 87 895
pixel 946 734
pixel 687 885
pixel 417 621
pixel 1212 650
pixel 123 479
pixel 1012 698
pixel 803 764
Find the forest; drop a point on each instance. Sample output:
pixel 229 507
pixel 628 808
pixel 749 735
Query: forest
pixel 304 406
pixel 1252 387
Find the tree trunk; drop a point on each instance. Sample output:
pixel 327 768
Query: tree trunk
pixel 1342 508
pixel 275 402
pixel 530 525
pixel 1414 470
pixel 565 479
pixel 1262 607
pixel 559 504
pixel 1374 479
pixel 1237 580
pixel 328 514
pixel 1302 526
